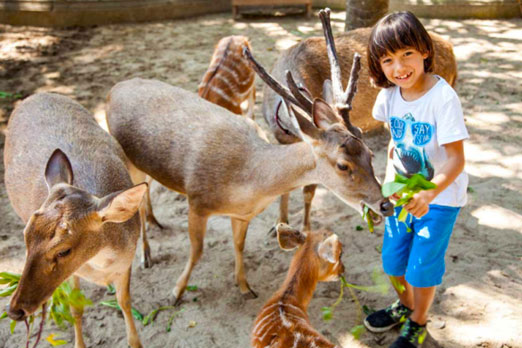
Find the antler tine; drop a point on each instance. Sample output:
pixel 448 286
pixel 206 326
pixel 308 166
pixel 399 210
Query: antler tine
pixel 269 80
pixel 337 86
pixel 351 89
pixel 304 102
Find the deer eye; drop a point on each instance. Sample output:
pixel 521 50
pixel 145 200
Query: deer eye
pixel 64 253
pixel 342 166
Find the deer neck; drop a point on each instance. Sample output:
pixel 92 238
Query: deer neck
pixel 282 168
pixel 300 283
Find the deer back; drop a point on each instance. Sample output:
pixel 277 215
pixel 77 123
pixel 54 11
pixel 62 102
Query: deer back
pixel 229 80
pixel 64 176
pixel 308 62
pixel 193 146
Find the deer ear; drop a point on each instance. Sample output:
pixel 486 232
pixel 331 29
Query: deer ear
pixel 323 114
pixel 58 169
pixel 328 92
pixel 289 238
pixel 305 125
pixel 327 249
pixel 122 205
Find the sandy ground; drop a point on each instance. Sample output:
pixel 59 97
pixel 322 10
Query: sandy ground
pixel 480 301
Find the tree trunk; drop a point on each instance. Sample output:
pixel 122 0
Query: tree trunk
pixel 364 13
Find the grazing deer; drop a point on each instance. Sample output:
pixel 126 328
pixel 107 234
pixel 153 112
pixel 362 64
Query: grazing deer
pixel 309 65
pixel 229 80
pixel 66 179
pixel 224 167
pixel 283 321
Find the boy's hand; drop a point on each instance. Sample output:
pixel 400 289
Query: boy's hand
pixel 418 206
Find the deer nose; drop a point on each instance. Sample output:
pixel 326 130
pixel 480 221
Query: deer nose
pixel 387 208
pixel 15 314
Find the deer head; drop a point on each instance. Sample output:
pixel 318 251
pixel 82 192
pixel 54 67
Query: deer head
pixel 344 159
pixel 65 232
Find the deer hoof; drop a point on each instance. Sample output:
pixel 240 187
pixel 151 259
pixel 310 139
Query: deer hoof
pixel 146 259
pixel 249 294
pixel 272 233
pixel 176 297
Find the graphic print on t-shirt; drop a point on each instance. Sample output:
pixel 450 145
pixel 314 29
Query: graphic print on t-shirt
pixel 410 137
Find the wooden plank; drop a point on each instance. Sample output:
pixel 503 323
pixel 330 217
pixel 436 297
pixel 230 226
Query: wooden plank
pixel 270 2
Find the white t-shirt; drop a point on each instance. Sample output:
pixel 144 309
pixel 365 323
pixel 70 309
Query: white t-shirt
pixel 419 128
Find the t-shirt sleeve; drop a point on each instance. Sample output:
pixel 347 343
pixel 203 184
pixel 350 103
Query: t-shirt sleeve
pixel 450 122
pixel 379 108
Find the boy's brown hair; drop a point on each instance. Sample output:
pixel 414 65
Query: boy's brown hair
pixel 397 31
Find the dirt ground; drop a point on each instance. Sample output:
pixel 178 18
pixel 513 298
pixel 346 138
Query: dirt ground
pixel 480 301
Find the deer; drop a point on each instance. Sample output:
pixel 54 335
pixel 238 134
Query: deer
pixel 309 65
pixel 283 321
pixel 229 80
pixel 219 161
pixel 66 179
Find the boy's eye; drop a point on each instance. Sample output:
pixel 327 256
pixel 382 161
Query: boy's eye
pixel 386 61
pixel 408 53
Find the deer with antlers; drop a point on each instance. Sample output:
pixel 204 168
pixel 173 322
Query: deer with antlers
pixel 310 66
pixel 66 178
pixel 219 161
pixel 283 321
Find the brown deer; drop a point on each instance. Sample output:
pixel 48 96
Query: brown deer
pixel 229 80
pixel 309 65
pixel 66 179
pixel 283 321
pixel 224 167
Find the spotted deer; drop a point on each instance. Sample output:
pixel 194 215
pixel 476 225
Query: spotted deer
pixel 229 80
pixel 283 321
pixel 309 64
pixel 66 179
pixel 224 167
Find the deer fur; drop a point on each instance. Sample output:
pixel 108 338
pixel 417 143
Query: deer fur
pixel 309 65
pixel 229 80
pixel 283 321
pixel 66 179
pixel 224 167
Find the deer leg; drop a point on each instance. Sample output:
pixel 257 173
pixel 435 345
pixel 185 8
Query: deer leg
pixel 283 213
pixel 197 226
pixel 77 314
pixel 146 258
pixel 122 284
pixel 239 229
pixel 308 195
pixel 150 214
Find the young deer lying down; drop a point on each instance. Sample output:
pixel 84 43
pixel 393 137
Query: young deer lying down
pixel 66 178
pixel 310 66
pixel 224 167
pixel 229 80
pixel 283 321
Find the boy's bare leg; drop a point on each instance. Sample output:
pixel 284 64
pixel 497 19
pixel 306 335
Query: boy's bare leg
pixel 423 298
pixel 406 296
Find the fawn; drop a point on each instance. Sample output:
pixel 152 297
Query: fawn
pixel 229 80
pixel 66 179
pixel 309 65
pixel 283 321
pixel 224 167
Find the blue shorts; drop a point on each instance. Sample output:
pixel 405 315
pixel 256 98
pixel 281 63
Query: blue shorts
pixel 418 254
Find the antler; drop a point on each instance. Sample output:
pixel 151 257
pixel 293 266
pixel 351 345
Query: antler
pixel 343 101
pixel 297 99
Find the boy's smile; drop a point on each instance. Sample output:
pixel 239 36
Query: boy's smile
pixel 405 68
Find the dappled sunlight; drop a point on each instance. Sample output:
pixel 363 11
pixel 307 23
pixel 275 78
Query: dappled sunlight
pixel 484 161
pixel 498 217
pixel 90 55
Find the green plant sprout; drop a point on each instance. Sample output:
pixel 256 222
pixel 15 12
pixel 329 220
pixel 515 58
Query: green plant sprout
pixel 58 307
pixel 114 304
pixel 406 188
pixel 380 286
pixel 368 218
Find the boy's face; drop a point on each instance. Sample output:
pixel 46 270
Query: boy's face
pixel 404 67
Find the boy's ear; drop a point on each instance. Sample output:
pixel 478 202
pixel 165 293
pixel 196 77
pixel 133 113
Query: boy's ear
pixel 289 238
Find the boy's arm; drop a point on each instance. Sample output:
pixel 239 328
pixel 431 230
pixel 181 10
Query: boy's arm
pixel 418 205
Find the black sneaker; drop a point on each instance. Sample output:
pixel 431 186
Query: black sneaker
pixel 412 335
pixel 386 318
